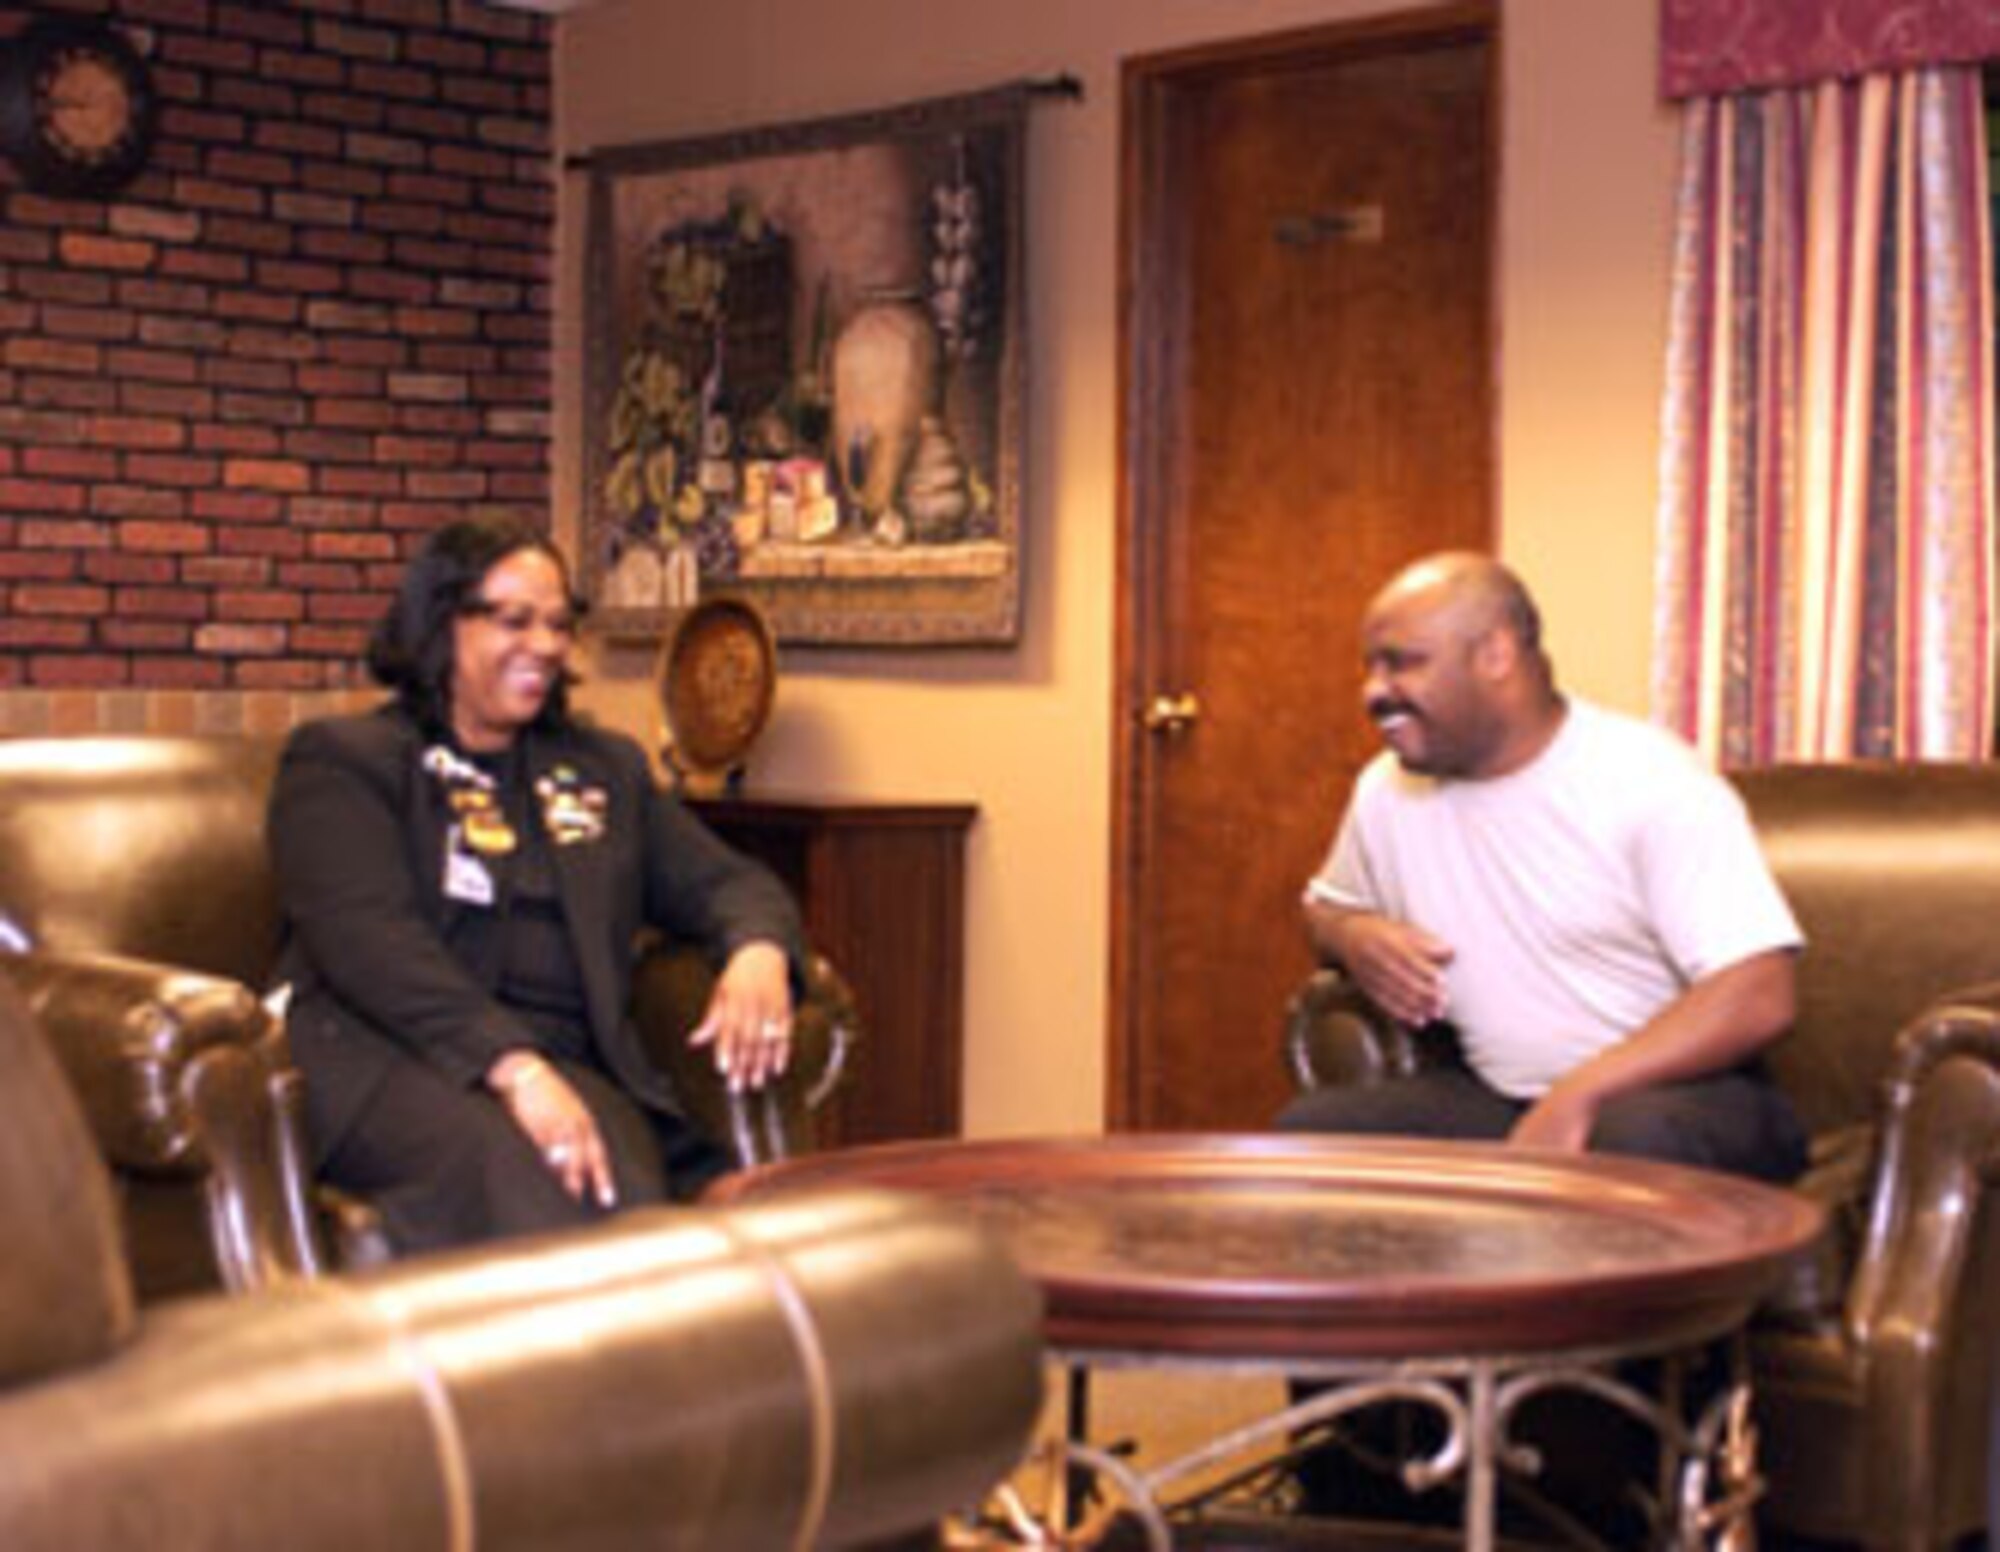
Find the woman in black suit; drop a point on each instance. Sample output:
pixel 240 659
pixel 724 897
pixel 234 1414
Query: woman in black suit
pixel 465 874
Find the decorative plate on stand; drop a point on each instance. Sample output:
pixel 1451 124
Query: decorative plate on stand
pixel 718 674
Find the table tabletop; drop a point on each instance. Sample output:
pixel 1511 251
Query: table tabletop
pixel 1348 1248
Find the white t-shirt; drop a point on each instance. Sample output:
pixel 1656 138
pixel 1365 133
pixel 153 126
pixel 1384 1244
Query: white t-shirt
pixel 1580 894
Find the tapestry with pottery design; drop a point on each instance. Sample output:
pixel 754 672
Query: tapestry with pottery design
pixel 804 376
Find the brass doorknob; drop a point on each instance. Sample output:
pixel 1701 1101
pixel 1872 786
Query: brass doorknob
pixel 1170 713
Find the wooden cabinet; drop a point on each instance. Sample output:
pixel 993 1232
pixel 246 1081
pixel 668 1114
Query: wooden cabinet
pixel 882 889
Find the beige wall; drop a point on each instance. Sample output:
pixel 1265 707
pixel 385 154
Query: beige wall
pixel 1587 169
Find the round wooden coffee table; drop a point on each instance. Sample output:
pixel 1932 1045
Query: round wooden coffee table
pixel 1465 1276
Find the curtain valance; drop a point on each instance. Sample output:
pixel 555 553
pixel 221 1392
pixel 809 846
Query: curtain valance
pixel 1711 47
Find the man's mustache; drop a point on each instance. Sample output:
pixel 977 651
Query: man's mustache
pixel 1383 706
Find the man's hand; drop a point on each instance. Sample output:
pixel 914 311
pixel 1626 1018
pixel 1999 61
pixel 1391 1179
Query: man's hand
pixel 1399 966
pixel 1560 1119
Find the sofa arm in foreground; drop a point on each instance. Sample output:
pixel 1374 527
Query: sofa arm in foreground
pixel 830 1371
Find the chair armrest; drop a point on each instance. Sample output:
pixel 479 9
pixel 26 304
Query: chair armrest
pixel 670 992
pixel 673 1377
pixel 1940 1150
pixel 185 1077
pixel 1904 1371
pixel 1334 1036
pixel 126 1031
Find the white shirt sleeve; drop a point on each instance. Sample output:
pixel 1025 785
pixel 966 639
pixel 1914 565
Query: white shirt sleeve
pixel 1710 894
pixel 1343 878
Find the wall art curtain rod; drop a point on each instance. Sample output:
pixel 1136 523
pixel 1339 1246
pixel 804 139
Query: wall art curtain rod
pixel 652 154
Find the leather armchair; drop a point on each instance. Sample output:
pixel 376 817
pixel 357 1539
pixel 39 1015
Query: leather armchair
pixel 1873 1373
pixel 137 912
pixel 674 1378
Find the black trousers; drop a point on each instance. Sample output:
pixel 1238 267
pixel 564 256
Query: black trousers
pixel 448 1166
pixel 1737 1121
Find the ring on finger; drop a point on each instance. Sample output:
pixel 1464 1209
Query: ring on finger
pixel 558 1153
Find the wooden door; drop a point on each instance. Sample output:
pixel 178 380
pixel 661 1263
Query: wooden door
pixel 1308 355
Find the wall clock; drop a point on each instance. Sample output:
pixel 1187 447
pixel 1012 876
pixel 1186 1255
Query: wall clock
pixel 77 106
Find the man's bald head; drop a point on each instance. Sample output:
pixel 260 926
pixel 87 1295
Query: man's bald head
pixel 1475 592
pixel 1457 679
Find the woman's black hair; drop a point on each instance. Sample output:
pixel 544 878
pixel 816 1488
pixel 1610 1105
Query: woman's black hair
pixel 410 649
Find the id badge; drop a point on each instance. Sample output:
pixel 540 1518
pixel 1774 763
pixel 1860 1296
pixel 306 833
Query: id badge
pixel 465 877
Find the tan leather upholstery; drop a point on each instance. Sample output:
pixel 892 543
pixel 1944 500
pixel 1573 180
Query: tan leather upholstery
pixel 134 880
pixel 152 848
pixel 675 1379
pixel 1873 1374
pixel 671 1379
pixel 1875 1413
pixel 65 1296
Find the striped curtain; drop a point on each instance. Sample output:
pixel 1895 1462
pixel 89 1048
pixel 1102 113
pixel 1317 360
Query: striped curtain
pixel 1825 584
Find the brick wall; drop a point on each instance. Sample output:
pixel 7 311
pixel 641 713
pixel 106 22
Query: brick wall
pixel 235 395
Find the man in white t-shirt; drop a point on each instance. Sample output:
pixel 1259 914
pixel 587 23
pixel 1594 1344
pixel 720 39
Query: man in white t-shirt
pixel 1572 890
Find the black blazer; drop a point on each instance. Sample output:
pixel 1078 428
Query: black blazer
pixel 357 830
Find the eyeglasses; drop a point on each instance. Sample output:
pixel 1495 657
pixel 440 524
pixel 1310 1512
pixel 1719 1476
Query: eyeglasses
pixel 521 619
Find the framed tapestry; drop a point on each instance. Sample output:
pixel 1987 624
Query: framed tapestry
pixel 804 376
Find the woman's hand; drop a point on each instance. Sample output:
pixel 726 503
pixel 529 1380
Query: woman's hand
pixel 559 1124
pixel 749 1017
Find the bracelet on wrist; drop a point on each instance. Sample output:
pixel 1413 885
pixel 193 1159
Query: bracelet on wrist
pixel 516 1071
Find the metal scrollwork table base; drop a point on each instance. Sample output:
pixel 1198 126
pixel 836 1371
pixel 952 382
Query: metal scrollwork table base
pixel 1460 1278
